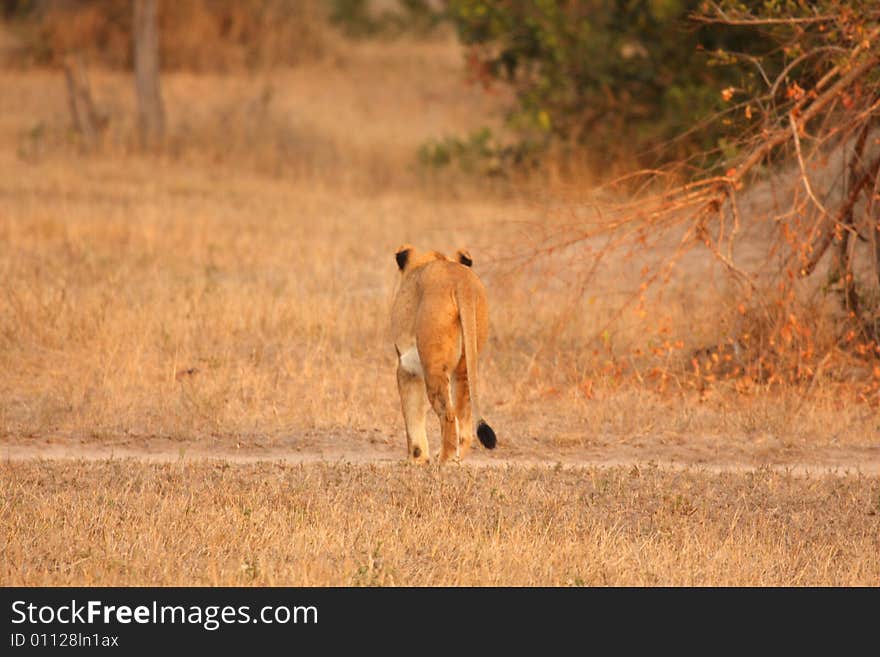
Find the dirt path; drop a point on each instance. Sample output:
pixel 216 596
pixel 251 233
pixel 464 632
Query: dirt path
pixel 328 448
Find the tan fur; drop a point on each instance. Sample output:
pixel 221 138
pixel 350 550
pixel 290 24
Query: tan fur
pixel 440 315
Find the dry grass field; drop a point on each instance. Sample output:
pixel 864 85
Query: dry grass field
pixel 228 299
pixel 211 523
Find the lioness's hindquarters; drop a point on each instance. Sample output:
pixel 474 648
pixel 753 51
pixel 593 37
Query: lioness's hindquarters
pixel 439 324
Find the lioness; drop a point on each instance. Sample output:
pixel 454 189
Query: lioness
pixel 439 324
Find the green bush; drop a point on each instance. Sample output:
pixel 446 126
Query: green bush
pixel 478 153
pixel 625 78
pixel 357 19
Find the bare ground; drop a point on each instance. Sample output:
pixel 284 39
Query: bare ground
pixel 709 453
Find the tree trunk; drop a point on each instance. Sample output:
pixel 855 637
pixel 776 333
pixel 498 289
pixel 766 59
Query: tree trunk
pixel 87 120
pixel 151 114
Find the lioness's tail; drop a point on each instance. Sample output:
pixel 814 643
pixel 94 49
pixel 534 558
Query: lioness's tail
pixel 468 314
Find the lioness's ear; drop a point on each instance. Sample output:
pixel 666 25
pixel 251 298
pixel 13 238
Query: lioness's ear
pixel 402 256
pixel 464 257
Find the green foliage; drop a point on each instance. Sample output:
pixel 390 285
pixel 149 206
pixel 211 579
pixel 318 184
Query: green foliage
pixel 479 153
pixel 10 9
pixel 621 77
pixel 354 17
pixel 357 19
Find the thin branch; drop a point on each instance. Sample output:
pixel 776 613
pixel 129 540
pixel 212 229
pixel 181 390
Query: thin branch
pixel 800 159
pixel 734 208
pixel 779 136
pixel 724 19
pixel 798 60
pixel 874 227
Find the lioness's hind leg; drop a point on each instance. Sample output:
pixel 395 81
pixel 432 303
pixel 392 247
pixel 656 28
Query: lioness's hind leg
pixel 462 397
pixel 414 403
pixel 440 395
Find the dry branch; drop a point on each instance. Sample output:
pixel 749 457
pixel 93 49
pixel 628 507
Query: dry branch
pixel 843 218
pixel 781 135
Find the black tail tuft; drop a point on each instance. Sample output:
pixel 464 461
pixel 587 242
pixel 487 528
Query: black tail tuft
pixel 486 435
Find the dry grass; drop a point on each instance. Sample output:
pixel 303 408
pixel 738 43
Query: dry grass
pixel 351 120
pixel 165 301
pixel 238 286
pixel 125 523
pixel 182 294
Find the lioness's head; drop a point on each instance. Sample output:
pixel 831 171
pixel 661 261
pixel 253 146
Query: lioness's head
pixel 408 257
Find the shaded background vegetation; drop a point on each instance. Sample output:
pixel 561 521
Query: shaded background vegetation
pixel 594 80
pixel 628 82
